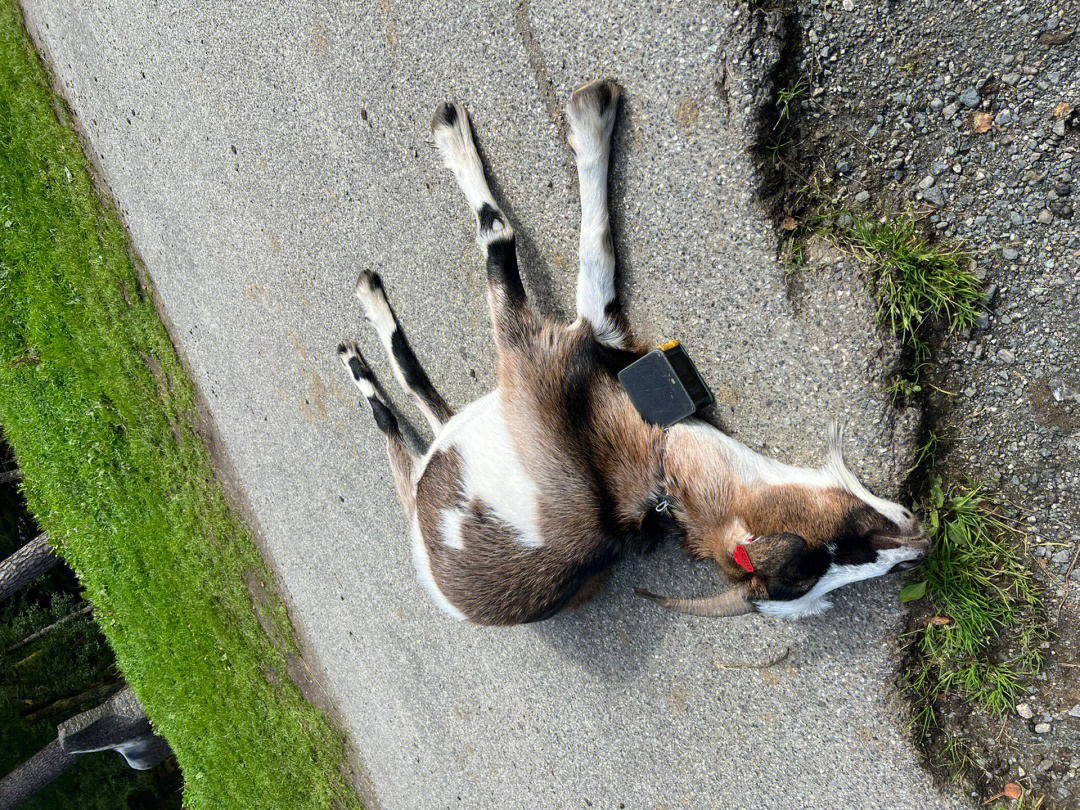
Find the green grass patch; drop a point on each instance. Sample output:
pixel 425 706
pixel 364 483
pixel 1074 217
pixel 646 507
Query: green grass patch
pixel 917 283
pixel 100 416
pixel 986 627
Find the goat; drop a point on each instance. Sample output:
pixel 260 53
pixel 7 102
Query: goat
pixel 527 496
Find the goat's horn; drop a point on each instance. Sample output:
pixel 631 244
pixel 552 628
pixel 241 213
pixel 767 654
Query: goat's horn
pixel 731 602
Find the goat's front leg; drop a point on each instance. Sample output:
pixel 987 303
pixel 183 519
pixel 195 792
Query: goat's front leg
pixel 510 313
pixel 591 114
pixel 402 459
pixel 407 368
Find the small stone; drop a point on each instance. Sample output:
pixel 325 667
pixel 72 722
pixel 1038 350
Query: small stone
pixel 1003 117
pixel 1042 728
pixel 1059 128
pixel 934 197
pixel 848 5
pixel 1006 356
pixel 1061 557
pixel 950 110
pixel 1024 710
pixel 1045 217
pixel 1075 711
pixel 862 197
pixel 1009 254
pixel 1061 208
pixel 842 167
pixel 926 182
pixel 970 98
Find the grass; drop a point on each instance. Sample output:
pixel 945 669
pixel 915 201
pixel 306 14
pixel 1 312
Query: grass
pixel 784 99
pixel 986 631
pixel 100 416
pixel 917 283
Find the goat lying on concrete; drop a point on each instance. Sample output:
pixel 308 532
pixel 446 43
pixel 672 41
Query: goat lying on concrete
pixel 528 495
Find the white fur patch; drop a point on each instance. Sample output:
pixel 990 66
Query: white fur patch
pixel 590 128
pixel 751 467
pixel 366 388
pixel 423 572
pixel 491 471
pixel 450 528
pixel 813 601
pixel 846 480
pixel 376 308
pixel 459 155
pixel 590 135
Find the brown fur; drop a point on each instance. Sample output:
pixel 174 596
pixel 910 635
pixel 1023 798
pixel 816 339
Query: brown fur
pixel 608 458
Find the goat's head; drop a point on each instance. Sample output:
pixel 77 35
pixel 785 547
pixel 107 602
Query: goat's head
pixel 783 573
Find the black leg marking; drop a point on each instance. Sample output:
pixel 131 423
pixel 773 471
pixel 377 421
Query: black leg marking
pixel 487 217
pixel 384 418
pixel 416 379
pixel 502 270
pixel 356 368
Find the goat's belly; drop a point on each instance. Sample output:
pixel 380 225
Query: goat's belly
pixel 475 532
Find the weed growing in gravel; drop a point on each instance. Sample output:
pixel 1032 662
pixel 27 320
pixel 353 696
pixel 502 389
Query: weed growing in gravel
pixel 916 282
pixel 784 99
pixel 794 261
pixel 984 633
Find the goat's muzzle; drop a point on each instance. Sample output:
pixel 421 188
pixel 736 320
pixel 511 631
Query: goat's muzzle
pixel 731 602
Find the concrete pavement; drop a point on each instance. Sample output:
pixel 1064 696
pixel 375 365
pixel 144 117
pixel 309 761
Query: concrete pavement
pixel 262 154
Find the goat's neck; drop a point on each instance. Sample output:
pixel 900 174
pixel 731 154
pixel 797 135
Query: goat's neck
pixel 723 490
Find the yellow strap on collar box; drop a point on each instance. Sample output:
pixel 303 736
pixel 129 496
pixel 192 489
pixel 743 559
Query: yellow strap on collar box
pixel 664 386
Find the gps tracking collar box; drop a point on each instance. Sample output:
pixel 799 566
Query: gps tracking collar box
pixel 664 386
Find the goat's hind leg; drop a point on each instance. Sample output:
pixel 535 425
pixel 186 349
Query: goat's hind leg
pixel 407 369
pixel 591 115
pixel 401 457
pixel 510 312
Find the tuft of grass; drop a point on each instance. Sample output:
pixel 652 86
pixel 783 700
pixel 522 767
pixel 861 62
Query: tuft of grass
pixel 794 260
pixel 916 282
pixel 785 98
pixel 100 415
pixel 927 452
pixel 986 632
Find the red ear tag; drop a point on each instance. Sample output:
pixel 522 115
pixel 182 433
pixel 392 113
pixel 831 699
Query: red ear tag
pixel 742 559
